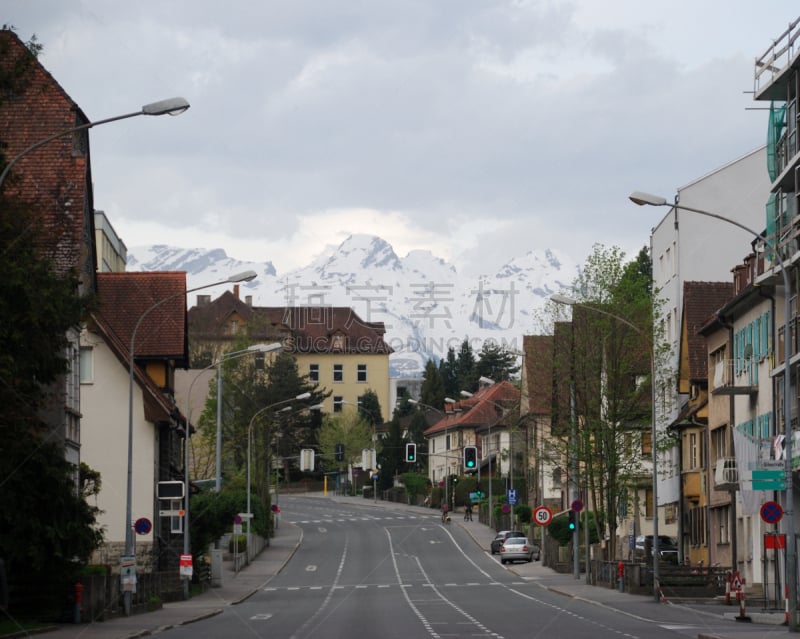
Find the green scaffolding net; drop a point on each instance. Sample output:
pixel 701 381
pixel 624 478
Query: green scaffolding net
pixel 777 123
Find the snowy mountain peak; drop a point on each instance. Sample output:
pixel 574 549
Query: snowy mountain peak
pixel 426 306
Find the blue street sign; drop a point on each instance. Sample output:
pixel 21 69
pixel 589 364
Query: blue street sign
pixel 511 496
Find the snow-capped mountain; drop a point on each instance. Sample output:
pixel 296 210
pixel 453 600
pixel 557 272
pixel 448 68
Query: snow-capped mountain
pixel 425 304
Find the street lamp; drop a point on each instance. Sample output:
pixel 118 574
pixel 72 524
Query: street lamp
pixel 568 301
pixel 257 348
pixel 374 445
pixel 641 198
pixel 170 106
pixel 491 464
pixel 446 462
pixel 258 413
pixel 240 277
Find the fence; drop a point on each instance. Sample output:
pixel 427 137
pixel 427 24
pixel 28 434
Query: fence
pixel 102 596
pixel 676 581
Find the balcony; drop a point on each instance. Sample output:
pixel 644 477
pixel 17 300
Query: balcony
pixel 726 474
pixel 735 377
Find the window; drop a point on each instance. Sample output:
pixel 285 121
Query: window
pixel 647 443
pixel 313 372
pixel 723 517
pixel 338 373
pixel 338 342
pixel 720 443
pixel 338 403
pixel 697 526
pixel 622 512
pixel 648 503
pixel 87 364
pixel 361 374
pixel 694 451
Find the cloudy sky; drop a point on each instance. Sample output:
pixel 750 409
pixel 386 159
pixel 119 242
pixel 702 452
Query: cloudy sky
pixel 477 129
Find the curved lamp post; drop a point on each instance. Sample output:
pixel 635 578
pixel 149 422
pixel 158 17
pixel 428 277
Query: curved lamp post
pixel 374 446
pixel 568 301
pixel 491 465
pixel 257 414
pixel 641 198
pixel 240 277
pixel 170 106
pixel 257 348
pixel 447 400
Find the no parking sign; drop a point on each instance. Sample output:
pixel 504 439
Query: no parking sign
pixel 771 512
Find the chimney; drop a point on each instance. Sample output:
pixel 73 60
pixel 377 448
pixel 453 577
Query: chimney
pixel 248 299
pixel 236 291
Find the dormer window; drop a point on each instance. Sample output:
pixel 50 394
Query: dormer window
pixel 337 342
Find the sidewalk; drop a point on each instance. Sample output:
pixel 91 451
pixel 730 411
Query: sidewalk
pixel 235 589
pixel 238 587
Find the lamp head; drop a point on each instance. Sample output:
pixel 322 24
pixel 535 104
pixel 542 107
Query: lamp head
pixel 486 381
pixel 170 106
pixel 447 400
pixel 641 198
pixel 558 298
pixel 265 348
pixel 246 276
pixel 303 396
pixel 466 394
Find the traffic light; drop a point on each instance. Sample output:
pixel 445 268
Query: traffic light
pixel 470 457
pixel 411 453
pixel 573 520
pixel 478 491
pixel 339 452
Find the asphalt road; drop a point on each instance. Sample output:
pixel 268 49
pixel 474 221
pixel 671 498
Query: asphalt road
pixel 377 571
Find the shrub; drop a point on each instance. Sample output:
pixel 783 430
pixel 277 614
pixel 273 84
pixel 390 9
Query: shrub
pixel 237 543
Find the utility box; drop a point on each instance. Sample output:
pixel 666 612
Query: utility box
pixel 216 567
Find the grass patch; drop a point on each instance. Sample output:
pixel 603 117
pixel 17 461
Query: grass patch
pixel 9 628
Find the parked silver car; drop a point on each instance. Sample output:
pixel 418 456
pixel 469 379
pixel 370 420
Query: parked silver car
pixel 518 549
pixel 501 537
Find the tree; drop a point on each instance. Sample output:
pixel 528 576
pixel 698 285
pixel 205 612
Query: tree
pixel 495 363
pixel 391 455
pixel 602 364
pixel 259 409
pixel 466 368
pixel 448 371
pixel 370 406
pixel 349 429
pixel 432 391
pixel 47 528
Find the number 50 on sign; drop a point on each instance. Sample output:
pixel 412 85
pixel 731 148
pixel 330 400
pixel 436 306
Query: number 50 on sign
pixel 542 515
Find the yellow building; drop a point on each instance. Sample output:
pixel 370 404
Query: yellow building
pixel 333 346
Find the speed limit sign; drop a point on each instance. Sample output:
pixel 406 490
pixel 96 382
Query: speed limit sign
pixel 542 515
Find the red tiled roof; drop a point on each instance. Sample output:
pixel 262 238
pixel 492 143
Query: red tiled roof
pixel 482 409
pixel 700 301
pixel 123 300
pixel 312 328
pixel 55 179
